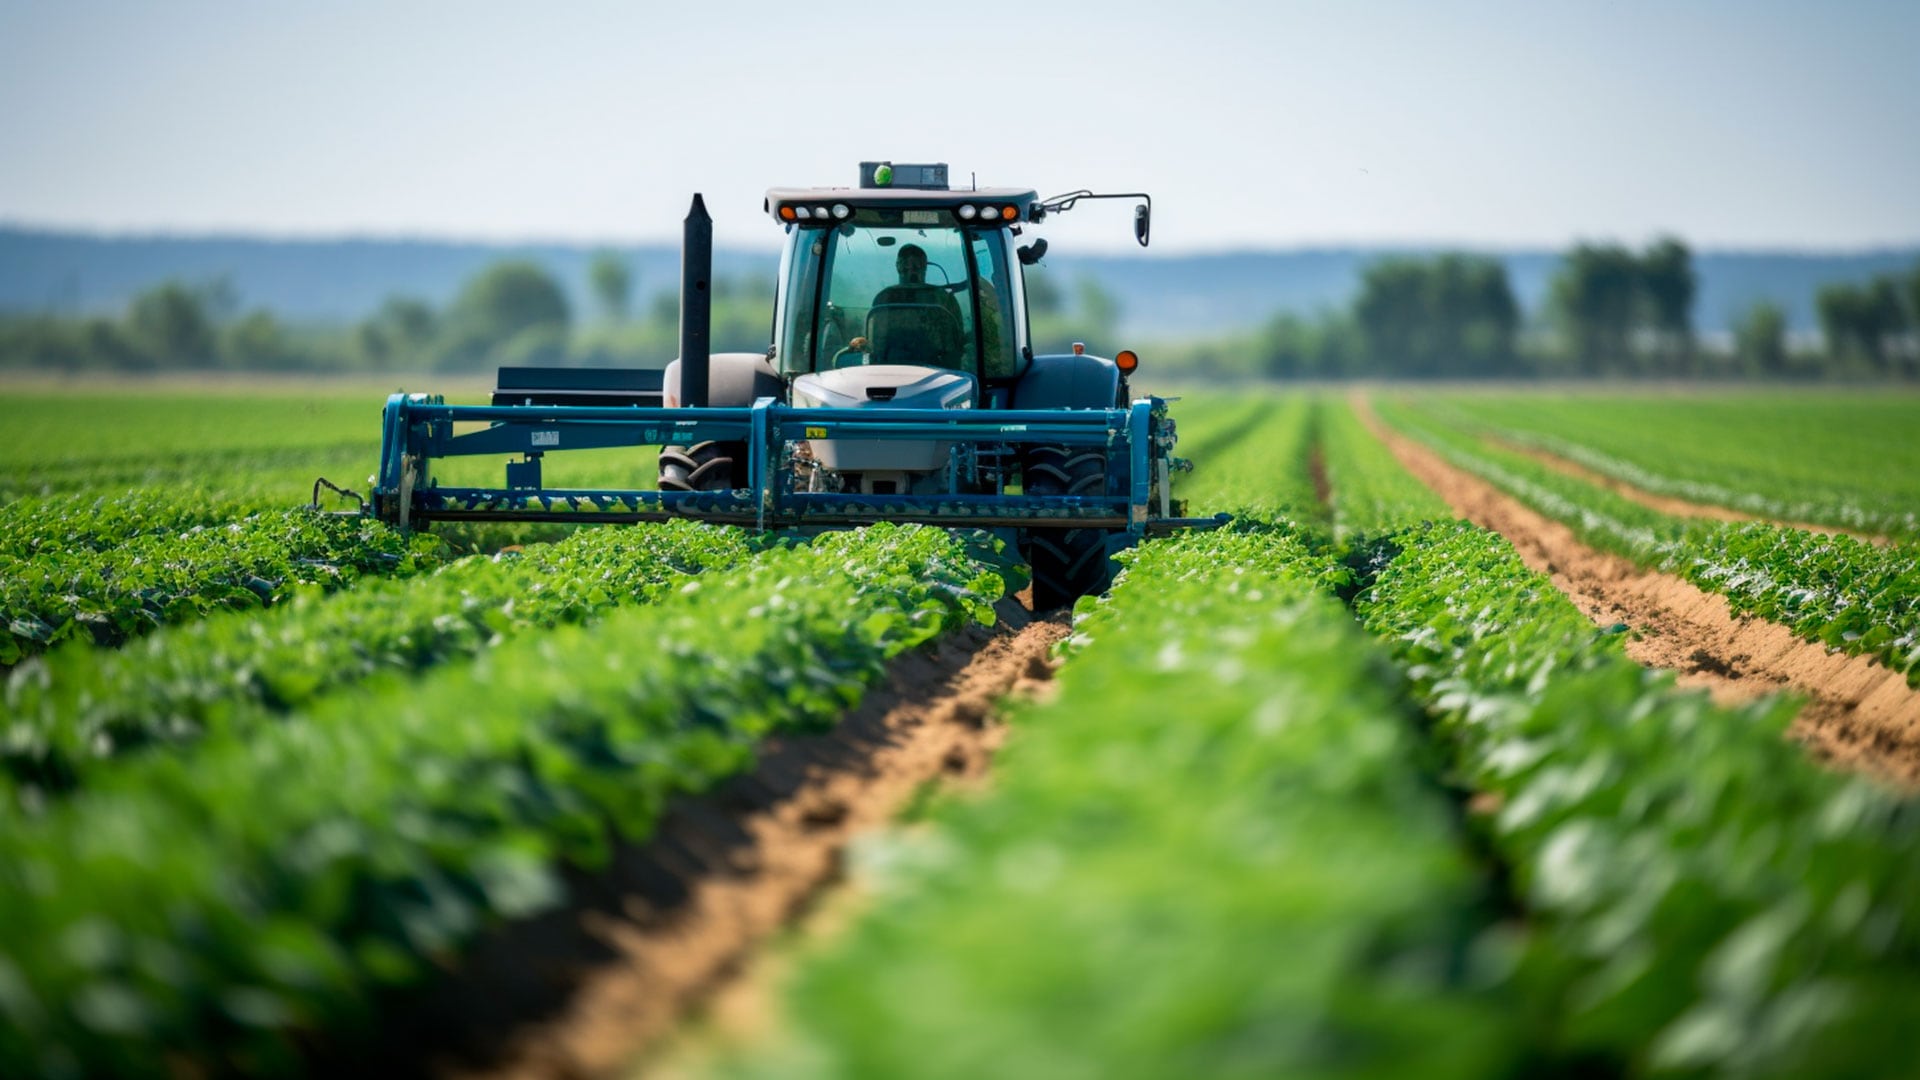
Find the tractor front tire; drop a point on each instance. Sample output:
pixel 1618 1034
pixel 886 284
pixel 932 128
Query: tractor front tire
pixel 707 466
pixel 1067 563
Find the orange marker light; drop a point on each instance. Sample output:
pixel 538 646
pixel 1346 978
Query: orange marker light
pixel 1079 348
pixel 786 213
pixel 1126 360
pixel 1009 213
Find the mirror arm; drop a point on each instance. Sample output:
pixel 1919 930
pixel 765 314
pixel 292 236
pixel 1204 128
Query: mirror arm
pixel 1142 214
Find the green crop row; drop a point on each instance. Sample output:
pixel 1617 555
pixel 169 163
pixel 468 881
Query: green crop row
pixel 1843 460
pixel 107 596
pixel 260 444
pixel 93 426
pixel 209 911
pixel 1370 491
pixel 1215 853
pixel 1259 468
pixel 59 524
pixel 1262 880
pixel 1842 592
pixel 69 711
pixel 1209 426
pixel 1702 897
pixel 270 474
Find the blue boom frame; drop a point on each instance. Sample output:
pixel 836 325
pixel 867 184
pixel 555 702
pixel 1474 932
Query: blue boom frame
pixel 420 428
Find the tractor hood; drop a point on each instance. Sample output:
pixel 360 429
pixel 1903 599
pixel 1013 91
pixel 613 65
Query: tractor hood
pixel 885 386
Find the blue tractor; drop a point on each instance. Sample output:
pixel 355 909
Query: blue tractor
pixel 900 385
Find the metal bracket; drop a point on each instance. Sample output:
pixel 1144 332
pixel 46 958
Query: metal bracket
pixel 524 474
pixel 323 482
pixel 406 493
pixel 760 460
pixel 1139 470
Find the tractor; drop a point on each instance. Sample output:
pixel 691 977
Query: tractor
pixel 900 385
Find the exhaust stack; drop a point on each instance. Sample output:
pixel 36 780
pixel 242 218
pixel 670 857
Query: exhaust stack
pixel 696 305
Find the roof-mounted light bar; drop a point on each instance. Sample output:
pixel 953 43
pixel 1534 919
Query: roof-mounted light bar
pixel 987 213
pixel 798 212
pixel 992 215
pixel 899 203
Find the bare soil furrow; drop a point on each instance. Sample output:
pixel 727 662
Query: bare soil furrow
pixel 670 923
pixel 1667 504
pixel 1317 469
pixel 1859 715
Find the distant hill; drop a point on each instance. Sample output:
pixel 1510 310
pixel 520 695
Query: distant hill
pixel 341 280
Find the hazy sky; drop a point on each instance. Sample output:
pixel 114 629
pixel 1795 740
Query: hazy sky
pixel 1739 124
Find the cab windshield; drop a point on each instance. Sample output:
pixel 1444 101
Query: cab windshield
pixel 932 296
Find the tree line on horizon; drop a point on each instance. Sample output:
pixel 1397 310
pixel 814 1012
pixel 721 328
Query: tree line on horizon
pixel 1612 312
pixel 513 312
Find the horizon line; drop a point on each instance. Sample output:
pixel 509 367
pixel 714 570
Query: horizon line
pixel 351 236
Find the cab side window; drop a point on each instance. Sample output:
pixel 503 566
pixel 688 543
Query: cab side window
pixel 996 312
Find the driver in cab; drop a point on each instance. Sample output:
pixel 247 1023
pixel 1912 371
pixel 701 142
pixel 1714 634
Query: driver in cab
pixel 914 322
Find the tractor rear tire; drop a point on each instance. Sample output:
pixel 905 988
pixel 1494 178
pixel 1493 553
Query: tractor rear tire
pixel 707 466
pixel 1067 563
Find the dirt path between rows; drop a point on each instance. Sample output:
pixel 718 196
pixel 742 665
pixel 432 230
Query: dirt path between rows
pixel 586 991
pixel 1666 504
pixel 1317 470
pixel 1860 715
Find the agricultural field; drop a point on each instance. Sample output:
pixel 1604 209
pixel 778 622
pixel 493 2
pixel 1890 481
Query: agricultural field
pixel 1844 461
pixel 1498 734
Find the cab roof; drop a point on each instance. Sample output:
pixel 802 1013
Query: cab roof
pixel 899 198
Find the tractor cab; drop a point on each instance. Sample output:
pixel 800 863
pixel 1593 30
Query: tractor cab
pixel 901 276
pixel 898 294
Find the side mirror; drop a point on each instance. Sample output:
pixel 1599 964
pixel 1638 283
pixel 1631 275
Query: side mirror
pixel 1142 223
pixel 1032 253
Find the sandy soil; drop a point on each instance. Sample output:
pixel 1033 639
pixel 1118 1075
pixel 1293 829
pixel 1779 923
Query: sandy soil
pixel 1667 504
pixel 1859 715
pixel 586 990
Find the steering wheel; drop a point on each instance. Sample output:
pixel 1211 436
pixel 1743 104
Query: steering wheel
pixel 857 346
